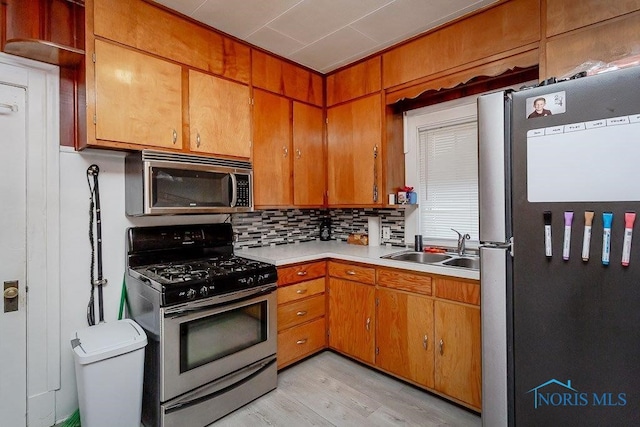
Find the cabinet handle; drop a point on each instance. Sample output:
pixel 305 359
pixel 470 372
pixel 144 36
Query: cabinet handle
pixel 298 153
pixel 175 136
pixel 198 139
pixel 375 174
pixel 368 326
pixel 425 341
pixel 285 151
pixel 12 107
pixel 302 273
pixel 301 291
pixel 301 313
pixel 441 347
pixel 351 272
pixel 302 341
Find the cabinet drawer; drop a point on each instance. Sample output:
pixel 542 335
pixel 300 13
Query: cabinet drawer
pixel 405 281
pixel 352 272
pixel 295 343
pixel 300 290
pixel 298 273
pixel 294 313
pixel 458 290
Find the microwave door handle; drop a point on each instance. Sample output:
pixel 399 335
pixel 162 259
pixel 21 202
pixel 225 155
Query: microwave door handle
pixel 234 190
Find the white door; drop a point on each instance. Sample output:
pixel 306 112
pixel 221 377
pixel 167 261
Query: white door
pixel 13 348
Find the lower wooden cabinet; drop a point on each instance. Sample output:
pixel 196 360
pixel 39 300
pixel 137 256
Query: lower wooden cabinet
pixel 352 318
pixel 405 340
pixel 301 311
pixel 457 352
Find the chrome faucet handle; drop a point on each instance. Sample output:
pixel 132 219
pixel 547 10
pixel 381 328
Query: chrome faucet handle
pixel 462 238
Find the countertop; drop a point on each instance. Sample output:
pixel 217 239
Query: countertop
pixel 281 255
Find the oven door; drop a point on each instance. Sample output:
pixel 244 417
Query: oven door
pixel 201 342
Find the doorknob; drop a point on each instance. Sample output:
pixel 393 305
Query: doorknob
pixel 10 296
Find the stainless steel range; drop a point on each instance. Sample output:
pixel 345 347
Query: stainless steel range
pixel 211 321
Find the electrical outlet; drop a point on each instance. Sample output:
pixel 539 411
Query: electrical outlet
pixel 386 232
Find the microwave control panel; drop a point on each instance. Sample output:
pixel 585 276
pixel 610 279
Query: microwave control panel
pixel 243 191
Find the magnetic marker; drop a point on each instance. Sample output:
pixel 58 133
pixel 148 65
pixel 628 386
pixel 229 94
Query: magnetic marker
pixel 607 220
pixel 586 239
pixel 547 234
pixel 629 219
pixel 566 245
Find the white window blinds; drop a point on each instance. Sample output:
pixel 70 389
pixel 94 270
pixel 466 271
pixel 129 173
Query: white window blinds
pixel 449 181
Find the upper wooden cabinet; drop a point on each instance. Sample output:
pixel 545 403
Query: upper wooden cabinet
pixel 502 28
pixel 354 146
pixel 271 150
pixel 288 152
pixel 219 116
pixel 50 31
pixel 137 99
pixel 142 25
pixel 567 15
pixel 355 81
pixel 309 171
pixel 286 79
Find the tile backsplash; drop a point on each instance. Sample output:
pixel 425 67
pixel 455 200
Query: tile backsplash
pixel 278 227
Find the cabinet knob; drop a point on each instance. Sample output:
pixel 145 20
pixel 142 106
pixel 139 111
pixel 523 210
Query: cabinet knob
pixel 302 273
pixel 175 136
pixel 425 341
pixel 441 347
pixel 285 151
pixel 351 272
pixel 368 325
pixel 301 313
pixel 298 153
pixel 302 341
pixel 301 291
pixel 198 140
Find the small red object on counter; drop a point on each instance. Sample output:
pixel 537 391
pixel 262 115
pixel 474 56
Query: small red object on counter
pixel 433 250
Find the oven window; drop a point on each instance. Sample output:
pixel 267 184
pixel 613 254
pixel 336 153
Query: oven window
pixel 183 187
pixel 211 338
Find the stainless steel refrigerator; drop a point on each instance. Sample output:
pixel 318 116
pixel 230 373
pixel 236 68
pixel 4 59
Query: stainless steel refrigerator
pixel 560 256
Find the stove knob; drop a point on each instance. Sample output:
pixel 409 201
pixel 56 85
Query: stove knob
pixel 250 280
pixel 191 294
pixel 204 291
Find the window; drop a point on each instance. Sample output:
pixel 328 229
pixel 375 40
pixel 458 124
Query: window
pixel 448 185
pixel 441 155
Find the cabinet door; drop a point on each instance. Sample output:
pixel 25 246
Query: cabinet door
pixel 219 116
pixel 308 156
pixel 354 157
pixel 271 150
pixel 351 318
pixel 138 98
pixel 405 338
pixel 457 360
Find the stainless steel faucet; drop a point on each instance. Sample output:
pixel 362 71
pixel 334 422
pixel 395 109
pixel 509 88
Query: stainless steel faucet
pixel 462 239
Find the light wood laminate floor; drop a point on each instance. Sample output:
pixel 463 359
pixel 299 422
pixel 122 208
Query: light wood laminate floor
pixel 331 390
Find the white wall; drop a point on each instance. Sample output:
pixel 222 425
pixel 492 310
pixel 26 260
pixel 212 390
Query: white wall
pixel 75 250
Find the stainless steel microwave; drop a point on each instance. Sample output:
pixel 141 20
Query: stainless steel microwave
pixel 165 183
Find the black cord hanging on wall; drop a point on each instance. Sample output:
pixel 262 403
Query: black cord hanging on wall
pixel 96 245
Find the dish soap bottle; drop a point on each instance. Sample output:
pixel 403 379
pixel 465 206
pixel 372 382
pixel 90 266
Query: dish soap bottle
pixel 325 228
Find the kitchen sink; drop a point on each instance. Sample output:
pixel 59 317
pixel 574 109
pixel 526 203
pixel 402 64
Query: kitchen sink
pixel 445 260
pixel 472 263
pixel 420 257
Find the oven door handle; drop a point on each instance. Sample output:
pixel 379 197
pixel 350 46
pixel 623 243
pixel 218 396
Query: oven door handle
pixel 221 385
pixel 226 299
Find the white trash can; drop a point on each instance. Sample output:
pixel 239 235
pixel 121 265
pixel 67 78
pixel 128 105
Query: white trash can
pixel 109 368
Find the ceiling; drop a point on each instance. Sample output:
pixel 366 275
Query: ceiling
pixel 324 34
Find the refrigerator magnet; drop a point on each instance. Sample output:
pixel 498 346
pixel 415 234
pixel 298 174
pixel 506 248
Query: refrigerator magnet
pixel 566 245
pixel 629 219
pixel 547 234
pixel 586 238
pixel 607 220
